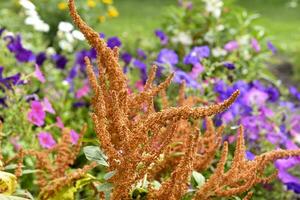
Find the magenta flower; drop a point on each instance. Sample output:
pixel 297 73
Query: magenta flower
pixel 46 140
pixel 255 45
pixel 38 74
pixel 74 136
pixel 37 114
pixel 197 69
pixel 47 106
pixel 59 123
pixel 231 46
pixel 82 91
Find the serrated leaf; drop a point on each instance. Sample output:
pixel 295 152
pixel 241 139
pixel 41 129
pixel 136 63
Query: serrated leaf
pixel 95 154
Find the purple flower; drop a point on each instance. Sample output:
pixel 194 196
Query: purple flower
pixel 255 45
pixel 167 56
pixel 229 65
pixel 38 74
pixel 82 91
pixel 271 47
pixel 15 46
pixel 126 57
pixel 141 54
pixel 101 35
pixel 162 36
pixel 10 80
pixel 250 155
pixel 46 140
pixel 37 114
pixel 231 46
pixel 255 97
pixel 183 76
pixel 47 106
pixel 74 137
pixel 273 94
pixel 196 55
pixel 60 61
pixel 196 70
pixel 113 42
pixel 40 58
pixel 143 69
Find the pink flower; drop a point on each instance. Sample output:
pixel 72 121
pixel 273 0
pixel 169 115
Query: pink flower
pixel 46 140
pixel 74 136
pixel 59 123
pixel 38 74
pixel 231 46
pixel 82 91
pixel 15 142
pixel 37 114
pixel 197 69
pixel 47 106
pixel 255 97
pixel 255 45
pixel 139 85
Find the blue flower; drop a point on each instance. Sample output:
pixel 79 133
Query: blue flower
pixel 126 57
pixel 113 42
pixel 10 80
pixel 273 94
pixel 190 82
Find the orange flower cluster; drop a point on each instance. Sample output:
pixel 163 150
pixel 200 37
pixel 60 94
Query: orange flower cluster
pixel 143 142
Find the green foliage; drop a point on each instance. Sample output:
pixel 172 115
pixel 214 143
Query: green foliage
pixel 94 153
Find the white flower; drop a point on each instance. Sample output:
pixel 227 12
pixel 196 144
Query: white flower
pixel 65 45
pixel 50 51
pixel 214 7
pixel 65 26
pixel 27 4
pixel 69 37
pixel 209 37
pixel 217 52
pixel 183 37
pixel 78 35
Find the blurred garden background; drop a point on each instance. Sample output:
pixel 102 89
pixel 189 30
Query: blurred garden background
pixel 215 47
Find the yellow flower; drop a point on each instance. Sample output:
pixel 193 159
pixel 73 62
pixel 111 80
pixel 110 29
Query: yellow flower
pixel 62 6
pixel 107 1
pixel 91 3
pixel 101 18
pixel 113 12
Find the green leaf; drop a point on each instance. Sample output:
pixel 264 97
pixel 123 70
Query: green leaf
pixel 95 154
pixel 197 179
pixel 109 175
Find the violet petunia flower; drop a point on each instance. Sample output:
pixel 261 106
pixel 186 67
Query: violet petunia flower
pixel 196 71
pixel 113 42
pixel 38 74
pixel 9 81
pixel 59 123
pixel 229 65
pixel 162 37
pixel 255 45
pixel 141 54
pixel 15 46
pixel 181 76
pixel 143 69
pixel 46 140
pixel 271 47
pixel 167 56
pixel 60 61
pixel 255 97
pixel 40 58
pixel 231 46
pixel 196 55
pixel 36 115
pixel 126 57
